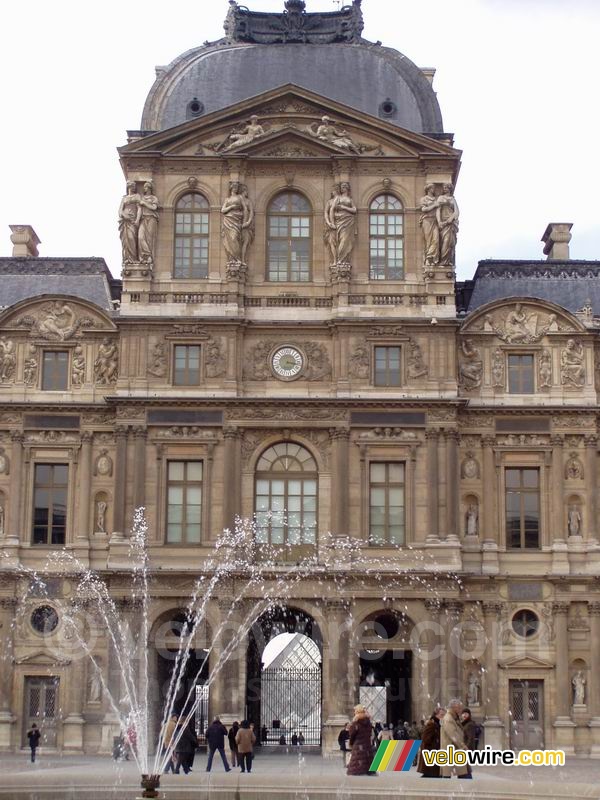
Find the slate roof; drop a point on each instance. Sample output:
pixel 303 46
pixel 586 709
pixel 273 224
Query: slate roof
pixel 570 284
pixel 87 278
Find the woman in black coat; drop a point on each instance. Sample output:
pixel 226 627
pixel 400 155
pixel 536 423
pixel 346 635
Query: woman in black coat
pixel 361 737
pixel 430 740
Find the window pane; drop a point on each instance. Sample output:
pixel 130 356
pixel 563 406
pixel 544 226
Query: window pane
pixel 176 470
pixel 378 472
pixel 55 370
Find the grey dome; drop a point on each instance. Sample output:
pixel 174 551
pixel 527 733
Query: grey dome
pixel 365 76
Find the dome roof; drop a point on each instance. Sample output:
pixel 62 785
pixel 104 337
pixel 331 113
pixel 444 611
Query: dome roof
pixel 320 52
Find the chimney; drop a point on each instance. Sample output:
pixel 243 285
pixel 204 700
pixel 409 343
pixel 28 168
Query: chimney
pixel 556 240
pixel 25 241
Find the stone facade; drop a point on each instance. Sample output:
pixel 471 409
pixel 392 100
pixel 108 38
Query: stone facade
pixel 466 402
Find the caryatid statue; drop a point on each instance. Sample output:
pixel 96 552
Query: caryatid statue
pixel 447 218
pixel 148 224
pixel 429 226
pixel 130 212
pixel 238 224
pixel 340 219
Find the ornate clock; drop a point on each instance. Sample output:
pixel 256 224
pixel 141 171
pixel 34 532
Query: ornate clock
pixel 287 363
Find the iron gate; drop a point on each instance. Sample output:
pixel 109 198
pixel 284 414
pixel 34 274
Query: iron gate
pixel 290 704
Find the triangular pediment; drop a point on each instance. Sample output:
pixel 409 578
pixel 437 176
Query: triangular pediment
pixel 42 659
pixel 525 662
pixel 289 110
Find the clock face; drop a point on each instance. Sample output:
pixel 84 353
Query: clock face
pixel 287 362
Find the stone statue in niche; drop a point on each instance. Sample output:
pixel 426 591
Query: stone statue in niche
pixel 254 130
pixel 340 218
pixel 574 468
pixel 30 367
pixel 470 467
pixel 338 137
pixel 447 218
pixel 8 359
pixel 101 507
pixel 130 212
pixel 359 363
pixel 95 688
pixel 574 521
pixel 106 365
pixel 416 366
pixel 545 370
pixel 498 380
pixel 4 463
pixel 215 363
pixel 237 230
pixel 470 369
pixel 472 520
pixel 572 368
pixel 578 682
pixel 1 520
pixel 148 224
pixel 429 226
pixel 158 367
pixel 474 690
pixel 103 465
pixel 78 366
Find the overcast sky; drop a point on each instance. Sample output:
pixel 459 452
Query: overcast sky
pixel 517 81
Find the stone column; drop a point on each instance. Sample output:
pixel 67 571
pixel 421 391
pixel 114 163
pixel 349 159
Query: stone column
pixel 489 533
pixel 434 654
pixel 558 508
pixel 139 479
pixel 431 435
pixel 443 486
pixel 75 695
pixel 231 474
pixel 16 483
pixel 591 484
pixel 494 729
pixel 85 487
pixel 121 432
pixel 340 494
pixel 452 484
pixel 337 658
pixel 7 719
pixel 563 725
pixel 224 692
pixel 453 610
pixel 593 676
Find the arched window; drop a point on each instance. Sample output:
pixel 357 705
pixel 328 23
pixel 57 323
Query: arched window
pixel 286 495
pixel 191 237
pixel 289 238
pixel 386 239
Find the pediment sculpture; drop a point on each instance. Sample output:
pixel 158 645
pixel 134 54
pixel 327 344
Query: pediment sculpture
pixel 55 322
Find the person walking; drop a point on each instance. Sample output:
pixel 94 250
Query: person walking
pixel 215 738
pixel 361 743
pixel 386 734
pixel 34 735
pixel 167 737
pixel 430 740
pixel 185 747
pixel 470 728
pixel 343 742
pixel 233 748
pixel 452 733
pixel 245 740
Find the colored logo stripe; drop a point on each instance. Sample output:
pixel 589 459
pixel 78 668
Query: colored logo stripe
pixel 395 756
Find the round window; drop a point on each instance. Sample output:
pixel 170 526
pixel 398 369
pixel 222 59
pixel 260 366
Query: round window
pixel 525 623
pixel 195 107
pixel 388 108
pixel 44 620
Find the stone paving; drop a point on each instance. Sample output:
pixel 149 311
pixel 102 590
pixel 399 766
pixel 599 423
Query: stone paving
pixel 285 777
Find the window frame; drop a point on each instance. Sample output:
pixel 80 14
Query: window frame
pixel 186 345
pixel 289 214
pixel 520 371
pixel 203 237
pixel 386 238
pixel 522 491
pixel 49 487
pixel 387 485
pixel 385 346
pixel 185 484
pixel 62 351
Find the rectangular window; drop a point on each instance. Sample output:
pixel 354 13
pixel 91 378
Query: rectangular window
pixel 55 370
pixel 387 366
pixel 186 371
pixel 50 503
pixel 520 374
pixel 386 503
pixel 522 489
pixel 184 502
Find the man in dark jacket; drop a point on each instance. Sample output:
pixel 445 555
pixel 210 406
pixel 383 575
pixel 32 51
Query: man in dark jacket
pixel 34 736
pixel 430 740
pixel 185 747
pixel 215 739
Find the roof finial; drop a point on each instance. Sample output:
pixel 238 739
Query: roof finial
pixel 295 6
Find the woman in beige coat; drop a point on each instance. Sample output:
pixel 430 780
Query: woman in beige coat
pixel 245 740
pixel 452 733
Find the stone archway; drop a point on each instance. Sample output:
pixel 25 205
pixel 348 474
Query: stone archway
pixel 284 678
